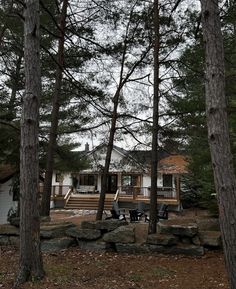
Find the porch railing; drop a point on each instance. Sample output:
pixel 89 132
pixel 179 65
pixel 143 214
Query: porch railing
pixel 131 191
pixel 68 194
pixel 162 192
pixel 60 190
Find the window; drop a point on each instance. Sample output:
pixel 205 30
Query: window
pixel 87 180
pixel 131 180
pixel 167 181
pixel 58 177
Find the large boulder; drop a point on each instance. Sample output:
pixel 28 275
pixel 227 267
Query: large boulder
pixel 84 234
pixel 6 240
pixel 132 248
pixel 210 239
pixel 9 230
pixel 103 225
pixel 91 225
pixel 196 240
pixel 54 230
pixel 123 234
pixel 14 221
pixel 98 245
pixel 162 239
pixel 180 249
pixel 209 224
pixel 186 229
pixel 57 244
pixel 45 219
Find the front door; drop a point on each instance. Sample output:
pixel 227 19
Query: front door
pixel 112 184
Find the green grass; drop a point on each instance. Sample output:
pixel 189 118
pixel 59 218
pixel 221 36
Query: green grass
pixel 59 273
pixel 99 264
pixel 2 276
pixel 136 277
pixel 161 272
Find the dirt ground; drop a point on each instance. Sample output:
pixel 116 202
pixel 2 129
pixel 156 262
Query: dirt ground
pixel 80 269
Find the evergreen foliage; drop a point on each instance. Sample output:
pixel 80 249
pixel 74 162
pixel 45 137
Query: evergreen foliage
pixel 96 35
pixel 187 108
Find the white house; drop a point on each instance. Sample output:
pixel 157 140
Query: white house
pixel 7 200
pixel 129 173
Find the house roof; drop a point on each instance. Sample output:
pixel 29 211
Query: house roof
pixel 173 164
pixel 6 172
pixel 168 163
pixel 145 157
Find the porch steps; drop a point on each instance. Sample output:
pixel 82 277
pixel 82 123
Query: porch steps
pixel 87 203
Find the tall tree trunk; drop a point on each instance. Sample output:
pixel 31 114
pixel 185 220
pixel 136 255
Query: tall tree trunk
pixel 108 155
pixel 31 265
pixel 218 132
pixel 123 79
pixel 154 163
pixel 46 197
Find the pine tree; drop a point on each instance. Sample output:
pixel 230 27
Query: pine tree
pixel 31 265
pixel 218 131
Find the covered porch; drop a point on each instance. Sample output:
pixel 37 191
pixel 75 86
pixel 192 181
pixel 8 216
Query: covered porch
pixel 69 198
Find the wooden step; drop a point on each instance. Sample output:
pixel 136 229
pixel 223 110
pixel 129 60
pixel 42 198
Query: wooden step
pixel 87 203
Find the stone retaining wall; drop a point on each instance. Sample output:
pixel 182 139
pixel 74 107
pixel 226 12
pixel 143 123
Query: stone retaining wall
pixel 173 237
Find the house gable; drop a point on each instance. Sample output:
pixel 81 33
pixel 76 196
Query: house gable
pixel 120 160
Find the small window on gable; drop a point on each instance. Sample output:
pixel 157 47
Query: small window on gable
pixel 58 177
pixel 167 181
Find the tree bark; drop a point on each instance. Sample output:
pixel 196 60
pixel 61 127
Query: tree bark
pixel 218 132
pixel 31 265
pixel 123 79
pixel 108 155
pixel 154 163
pixel 46 197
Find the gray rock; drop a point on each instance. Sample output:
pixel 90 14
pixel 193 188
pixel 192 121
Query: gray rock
pixel 104 225
pixel 183 230
pixel 9 230
pixel 190 250
pixel 14 241
pixel 211 224
pixel 4 240
pixel 132 248
pixel 196 241
pixel 44 219
pixel 124 234
pixel 95 245
pixel 186 240
pixel 57 244
pixel 162 239
pixel 87 234
pixel 54 230
pixel 210 238
pixel 15 221
pixel 183 249
pixel 91 225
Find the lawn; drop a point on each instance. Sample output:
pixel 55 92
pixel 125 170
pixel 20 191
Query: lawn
pixel 74 268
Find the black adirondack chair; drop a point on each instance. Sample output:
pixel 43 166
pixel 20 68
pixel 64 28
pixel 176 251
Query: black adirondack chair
pixel 162 213
pixel 116 212
pixel 136 214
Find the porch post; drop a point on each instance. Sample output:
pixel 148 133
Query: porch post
pixel 54 191
pixel 178 188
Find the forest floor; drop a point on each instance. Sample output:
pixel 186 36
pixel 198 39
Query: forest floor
pixel 80 269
